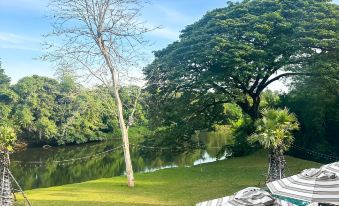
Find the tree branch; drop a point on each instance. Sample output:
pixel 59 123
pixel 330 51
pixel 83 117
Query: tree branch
pixel 286 75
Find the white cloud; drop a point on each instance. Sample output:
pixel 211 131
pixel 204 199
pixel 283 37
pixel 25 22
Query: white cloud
pixel 166 33
pixel 15 41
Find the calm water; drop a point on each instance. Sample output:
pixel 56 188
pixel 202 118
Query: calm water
pixel 37 167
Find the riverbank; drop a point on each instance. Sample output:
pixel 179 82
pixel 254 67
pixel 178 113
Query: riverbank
pixel 176 186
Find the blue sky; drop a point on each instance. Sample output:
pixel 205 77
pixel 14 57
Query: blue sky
pixel 23 22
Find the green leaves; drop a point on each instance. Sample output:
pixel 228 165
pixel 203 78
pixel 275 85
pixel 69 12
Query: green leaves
pixel 315 100
pixel 61 112
pixel 7 138
pixel 24 116
pixel 236 51
pixel 275 129
pixel 7 98
pixel 47 127
pixel 4 79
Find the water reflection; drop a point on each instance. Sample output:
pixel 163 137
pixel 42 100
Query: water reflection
pixel 39 169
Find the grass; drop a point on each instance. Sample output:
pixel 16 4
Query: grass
pixel 178 186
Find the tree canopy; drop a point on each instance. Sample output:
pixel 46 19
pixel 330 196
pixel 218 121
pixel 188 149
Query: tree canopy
pixel 237 51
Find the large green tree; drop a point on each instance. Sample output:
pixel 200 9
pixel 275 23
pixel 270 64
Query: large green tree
pixel 35 109
pixel 233 54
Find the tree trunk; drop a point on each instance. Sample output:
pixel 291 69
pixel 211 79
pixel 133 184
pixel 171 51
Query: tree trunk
pixel 124 132
pixel 272 167
pixel 277 163
pixel 122 124
pixel 251 109
pixel 254 111
pixel 40 135
pixel 5 183
pixel 282 164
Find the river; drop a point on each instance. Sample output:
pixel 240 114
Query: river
pixel 39 168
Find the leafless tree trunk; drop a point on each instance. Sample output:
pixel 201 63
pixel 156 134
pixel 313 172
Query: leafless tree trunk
pixel 102 39
pixel 122 124
pixel 124 132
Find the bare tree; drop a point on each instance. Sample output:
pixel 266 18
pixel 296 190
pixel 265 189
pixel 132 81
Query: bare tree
pixel 102 39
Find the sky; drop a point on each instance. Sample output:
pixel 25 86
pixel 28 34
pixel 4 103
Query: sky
pixel 23 22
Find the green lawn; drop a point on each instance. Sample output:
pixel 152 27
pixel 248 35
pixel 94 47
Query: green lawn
pixel 179 186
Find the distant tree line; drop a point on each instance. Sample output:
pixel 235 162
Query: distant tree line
pixel 44 110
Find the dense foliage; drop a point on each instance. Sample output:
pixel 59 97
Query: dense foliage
pixel 274 129
pixel 7 139
pixel 7 98
pixel 315 101
pixel 46 110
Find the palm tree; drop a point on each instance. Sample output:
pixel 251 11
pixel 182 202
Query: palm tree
pixel 274 133
pixel 7 140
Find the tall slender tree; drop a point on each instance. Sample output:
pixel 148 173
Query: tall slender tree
pixel 102 39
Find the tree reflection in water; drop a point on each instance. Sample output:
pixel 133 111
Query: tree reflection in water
pixel 48 173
